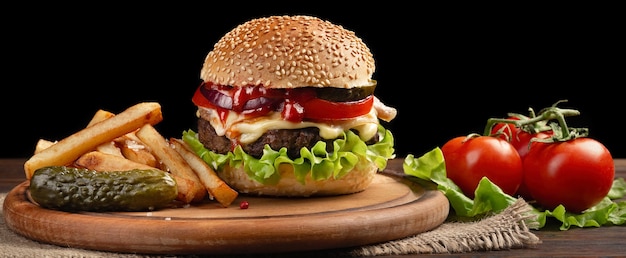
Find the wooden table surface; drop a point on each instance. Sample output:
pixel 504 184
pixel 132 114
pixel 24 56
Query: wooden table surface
pixel 604 241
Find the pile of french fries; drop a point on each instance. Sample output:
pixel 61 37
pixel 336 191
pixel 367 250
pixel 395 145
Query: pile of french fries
pixel 128 141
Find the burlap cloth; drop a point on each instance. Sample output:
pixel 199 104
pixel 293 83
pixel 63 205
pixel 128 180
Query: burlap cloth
pixel 508 229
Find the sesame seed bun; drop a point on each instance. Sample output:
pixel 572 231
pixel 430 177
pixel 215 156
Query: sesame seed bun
pixel 289 52
pixel 288 142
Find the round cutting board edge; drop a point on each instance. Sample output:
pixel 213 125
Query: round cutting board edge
pixel 271 234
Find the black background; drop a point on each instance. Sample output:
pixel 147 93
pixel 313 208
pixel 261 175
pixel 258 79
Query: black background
pixel 446 69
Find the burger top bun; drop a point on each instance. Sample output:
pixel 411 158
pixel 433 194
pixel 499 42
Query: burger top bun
pixel 289 52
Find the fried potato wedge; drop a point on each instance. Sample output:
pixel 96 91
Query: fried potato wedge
pixel 173 161
pixel 67 150
pixel 216 187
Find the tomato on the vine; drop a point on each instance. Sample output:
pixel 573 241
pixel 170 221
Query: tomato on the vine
pixel 577 173
pixel 470 158
pixel 520 139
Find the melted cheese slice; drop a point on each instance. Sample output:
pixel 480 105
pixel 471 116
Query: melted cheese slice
pixel 247 131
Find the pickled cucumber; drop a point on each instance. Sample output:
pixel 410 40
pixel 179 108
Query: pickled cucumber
pixel 75 189
pixel 345 95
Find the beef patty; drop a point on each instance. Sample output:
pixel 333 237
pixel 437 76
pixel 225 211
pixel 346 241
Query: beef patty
pixel 292 139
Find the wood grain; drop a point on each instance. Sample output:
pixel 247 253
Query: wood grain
pixel 391 208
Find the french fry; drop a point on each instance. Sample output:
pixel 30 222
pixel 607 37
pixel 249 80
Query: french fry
pixel 110 148
pixel 106 162
pixel 127 149
pixel 100 115
pixel 42 145
pixel 70 148
pixel 133 137
pixel 216 187
pixel 173 161
pixel 133 149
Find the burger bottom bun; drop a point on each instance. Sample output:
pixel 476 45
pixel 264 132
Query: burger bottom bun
pixel 356 180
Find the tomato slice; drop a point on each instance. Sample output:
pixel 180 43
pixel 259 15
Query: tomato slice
pixel 327 110
pixel 199 100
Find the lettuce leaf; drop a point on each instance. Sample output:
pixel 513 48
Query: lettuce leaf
pixel 348 152
pixel 489 198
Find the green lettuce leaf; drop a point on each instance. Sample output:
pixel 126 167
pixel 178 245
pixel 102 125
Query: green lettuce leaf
pixel 607 212
pixel 349 152
pixel 489 198
pixel 431 166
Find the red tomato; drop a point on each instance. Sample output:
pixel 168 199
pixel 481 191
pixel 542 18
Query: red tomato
pixel 520 139
pixel 577 173
pixel 320 109
pixel 522 145
pixel 469 159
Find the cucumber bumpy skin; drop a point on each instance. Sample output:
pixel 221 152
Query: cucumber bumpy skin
pixel 75 189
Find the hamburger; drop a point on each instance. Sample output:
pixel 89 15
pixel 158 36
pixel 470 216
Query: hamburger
pixel 286 107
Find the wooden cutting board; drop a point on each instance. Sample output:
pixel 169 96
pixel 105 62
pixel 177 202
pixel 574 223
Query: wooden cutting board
pixel 391 208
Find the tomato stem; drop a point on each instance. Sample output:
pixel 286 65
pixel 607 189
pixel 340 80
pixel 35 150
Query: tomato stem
pixel 470 136
pixel 535 124
pixel 558 115
pixel 532 124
